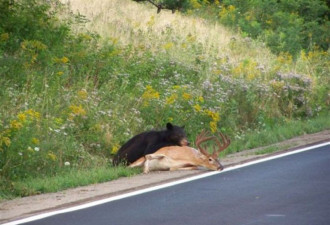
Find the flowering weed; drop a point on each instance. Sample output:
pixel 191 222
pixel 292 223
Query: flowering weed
pixel 80 95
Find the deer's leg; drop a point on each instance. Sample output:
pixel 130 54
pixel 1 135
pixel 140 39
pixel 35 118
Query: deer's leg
pixel 155 162
pixel 146 164
pixel 138 163
pixel 149 157
pixel 184 168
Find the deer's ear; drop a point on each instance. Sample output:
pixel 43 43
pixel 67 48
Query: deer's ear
pixel 169 126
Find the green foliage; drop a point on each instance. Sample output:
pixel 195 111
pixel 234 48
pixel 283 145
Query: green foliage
pixel 69 100
pixel 285 26
pixel 276 133
pixel 67 178
pixel 42 63
pixel 29 20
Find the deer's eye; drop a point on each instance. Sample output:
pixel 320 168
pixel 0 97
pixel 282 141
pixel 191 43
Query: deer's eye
pixel 210 159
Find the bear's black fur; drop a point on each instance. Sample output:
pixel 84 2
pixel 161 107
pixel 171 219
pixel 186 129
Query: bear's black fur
pixel 149 142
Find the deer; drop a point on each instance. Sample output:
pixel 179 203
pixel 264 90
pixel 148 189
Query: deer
pixel 184 157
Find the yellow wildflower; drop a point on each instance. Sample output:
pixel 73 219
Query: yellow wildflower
pixel 213 126
pixel 77 110
pixel 51 156
pixel 33 45
pixel 14 124
pixel 195 4
pixel 63 60
pixel 83 94
pixel 35 141
pixel 168 45
pixel 197 108
pixel 149 94
pixel 59 73
pixel 115 149
pixel 6 141
pixel 228 12
pixel 186 96
pixel 170 100
pixel 21 117
pixel 33 114
pixel 214 115
pixel 231 8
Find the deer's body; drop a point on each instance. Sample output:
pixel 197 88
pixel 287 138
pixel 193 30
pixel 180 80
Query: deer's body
pixel 183 157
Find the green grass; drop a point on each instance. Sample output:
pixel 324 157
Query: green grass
pixel 73 92
pixel 278 133
pixel 69 178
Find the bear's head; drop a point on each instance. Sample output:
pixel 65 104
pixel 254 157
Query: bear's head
pixel 176 135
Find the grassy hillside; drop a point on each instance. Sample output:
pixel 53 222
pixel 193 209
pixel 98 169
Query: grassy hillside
pixel 77 84
pixel 240 77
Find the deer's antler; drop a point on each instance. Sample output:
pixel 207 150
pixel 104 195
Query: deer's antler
pixel 202 137
pixel 221 146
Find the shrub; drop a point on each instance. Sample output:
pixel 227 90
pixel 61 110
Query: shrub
pixel 70 105
pixel 285 26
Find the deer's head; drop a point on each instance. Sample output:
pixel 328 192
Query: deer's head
pixel 211 160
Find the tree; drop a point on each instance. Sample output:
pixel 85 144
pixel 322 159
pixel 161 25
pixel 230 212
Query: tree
pixel 166 4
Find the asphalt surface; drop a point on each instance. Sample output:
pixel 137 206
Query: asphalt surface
pixel 292 190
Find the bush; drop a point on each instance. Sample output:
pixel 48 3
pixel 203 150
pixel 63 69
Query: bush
pixel 46 114
pixel 71 99
pixel 30 20
pixel 285 26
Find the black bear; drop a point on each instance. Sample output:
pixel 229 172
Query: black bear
pixel 149 142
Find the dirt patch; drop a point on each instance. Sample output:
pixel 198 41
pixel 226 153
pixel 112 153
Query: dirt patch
pixel 28 206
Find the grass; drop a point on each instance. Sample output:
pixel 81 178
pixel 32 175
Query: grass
pixel 69 178
pixel 278 133
pixel 166 32
pixel 71 96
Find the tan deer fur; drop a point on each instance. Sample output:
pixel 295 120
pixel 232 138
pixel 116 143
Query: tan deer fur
pixel 185 157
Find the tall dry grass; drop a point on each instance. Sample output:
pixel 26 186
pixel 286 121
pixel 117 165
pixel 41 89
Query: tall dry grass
pixel 136 24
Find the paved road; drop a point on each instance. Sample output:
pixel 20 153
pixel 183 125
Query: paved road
pixel 293 190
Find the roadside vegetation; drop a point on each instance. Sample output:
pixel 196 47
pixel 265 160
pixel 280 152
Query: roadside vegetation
pixel 75 86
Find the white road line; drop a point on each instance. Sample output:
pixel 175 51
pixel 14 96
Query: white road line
pixel 99 202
